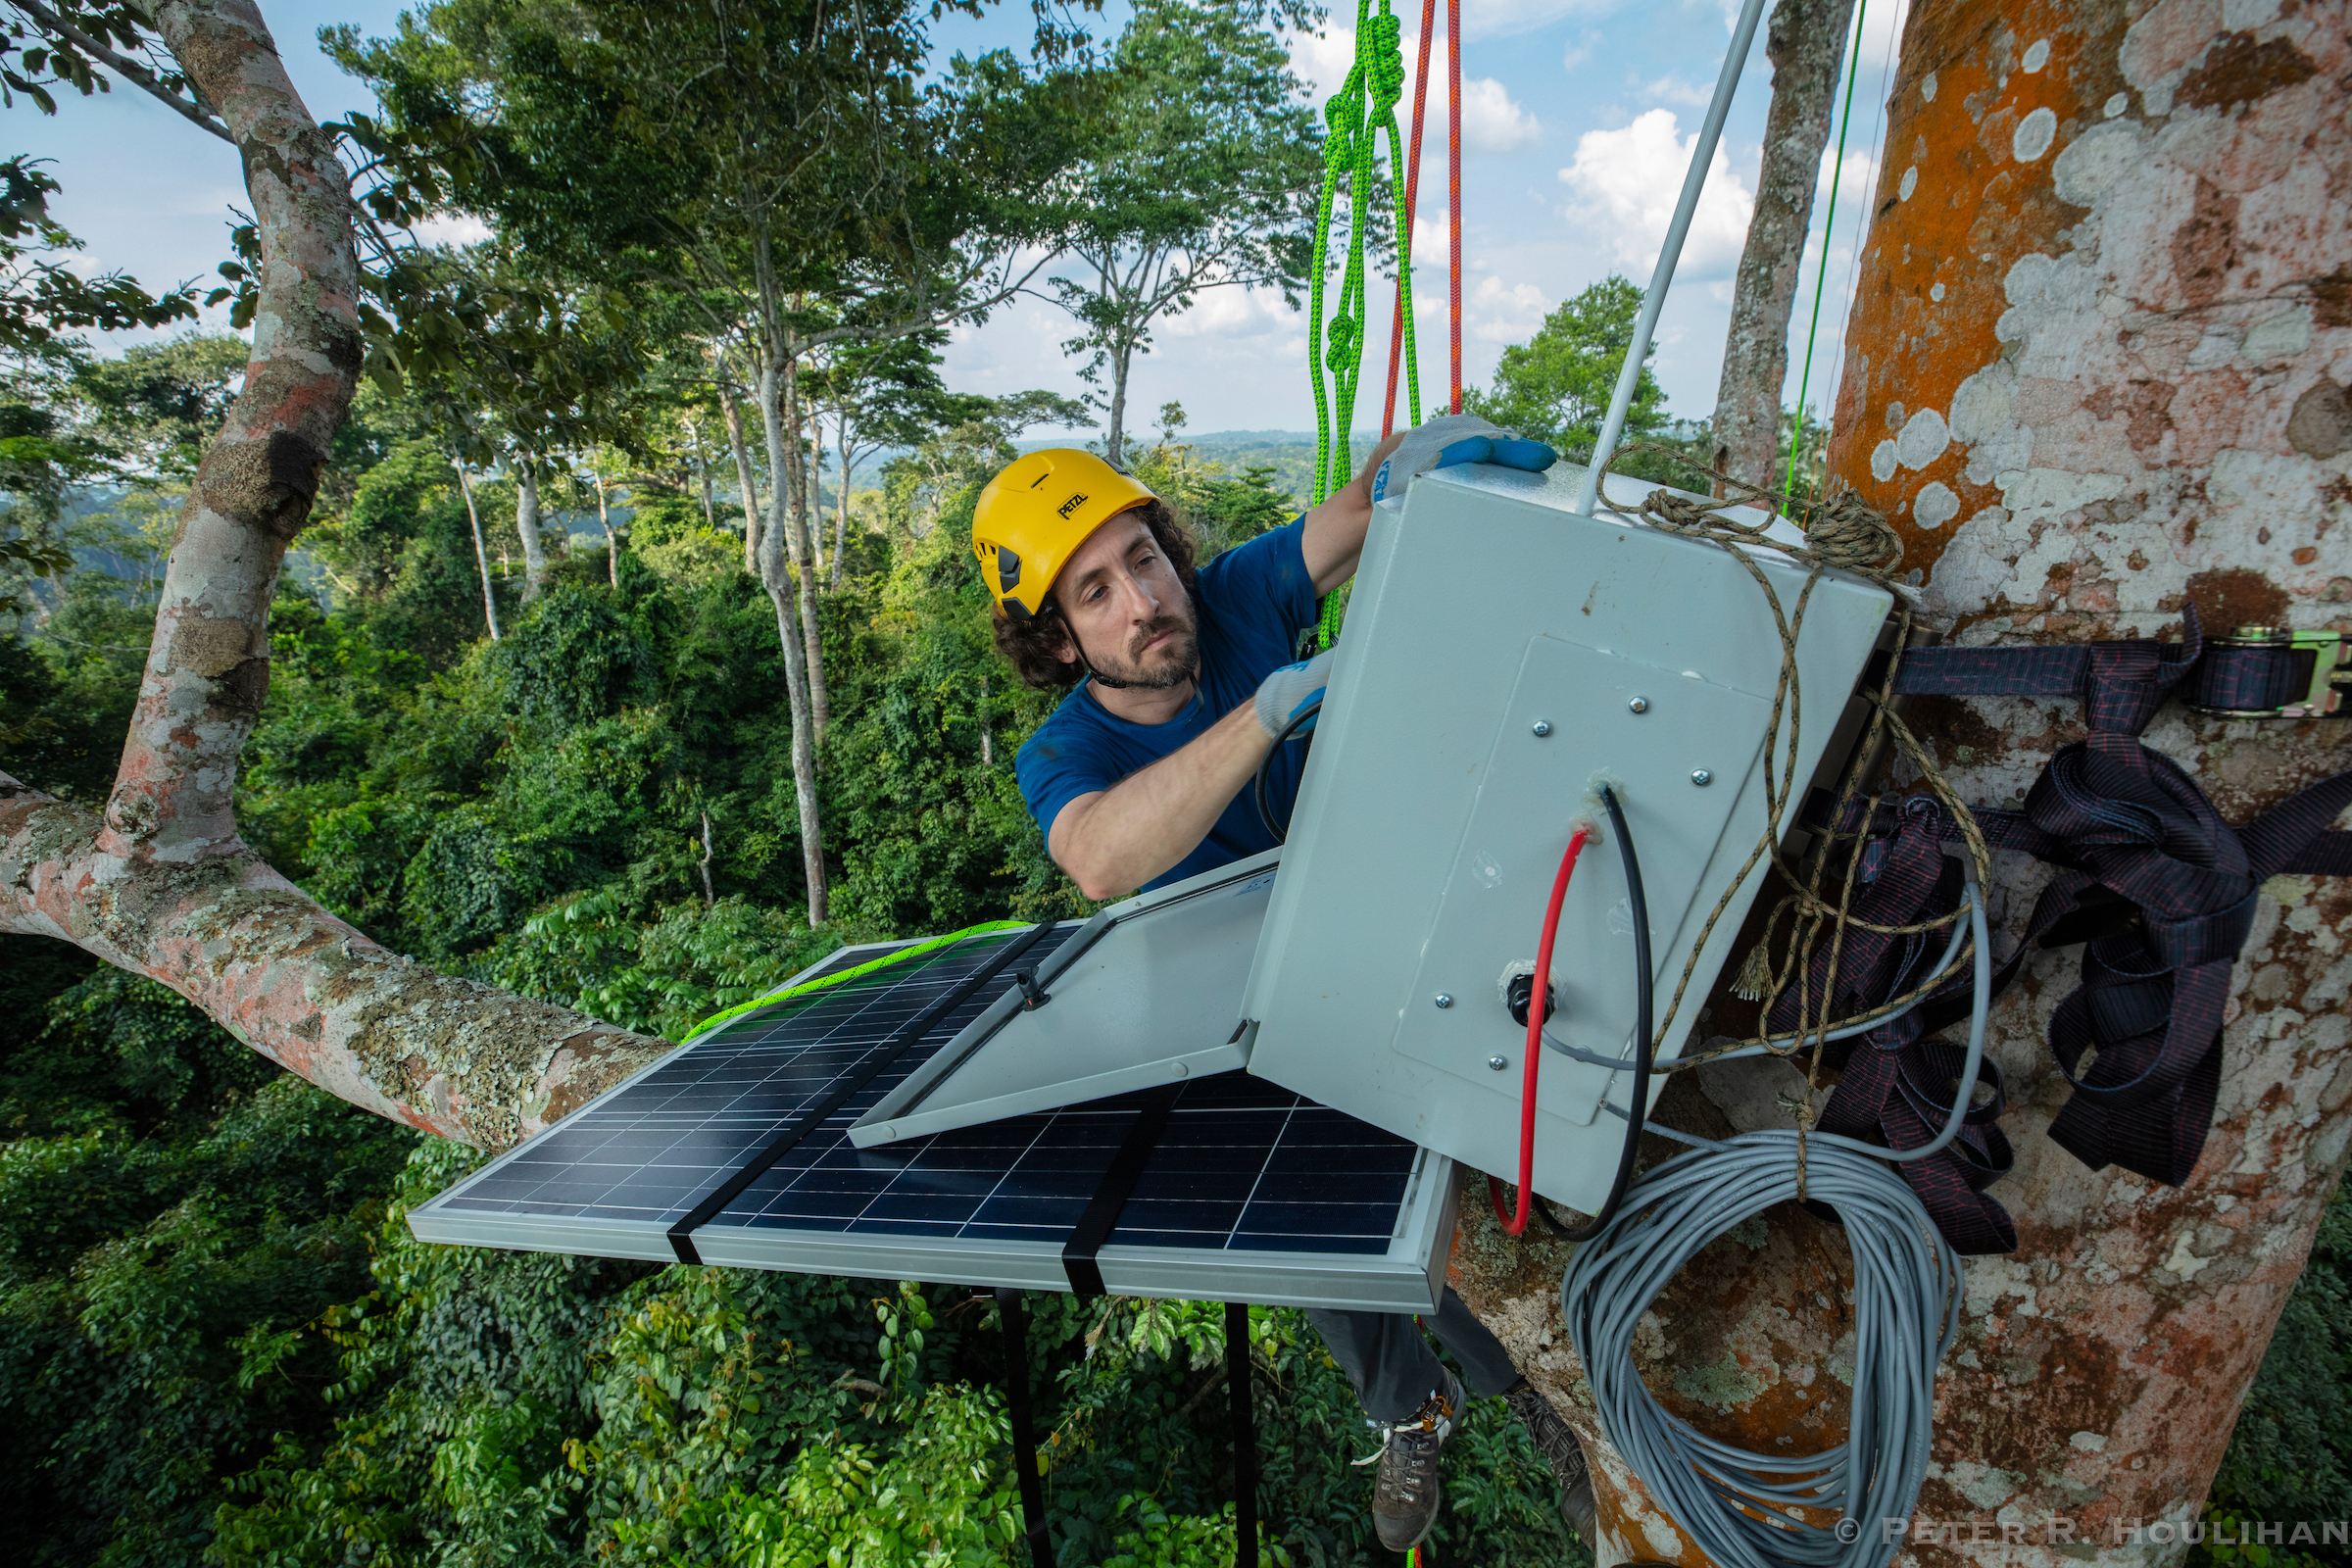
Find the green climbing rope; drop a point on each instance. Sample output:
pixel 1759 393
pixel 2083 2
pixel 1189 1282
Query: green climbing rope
pixel 1364 106
pixel 899 955
pixel 1821 279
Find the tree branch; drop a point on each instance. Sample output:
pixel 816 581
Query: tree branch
pixel 123 65
pixel 305 989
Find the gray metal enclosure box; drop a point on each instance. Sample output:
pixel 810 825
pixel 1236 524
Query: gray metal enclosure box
pixel 1486 684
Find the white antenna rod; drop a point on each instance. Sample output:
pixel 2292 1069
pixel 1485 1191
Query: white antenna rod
pixel 1709 132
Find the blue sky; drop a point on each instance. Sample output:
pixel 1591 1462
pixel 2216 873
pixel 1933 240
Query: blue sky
pixel 1577 122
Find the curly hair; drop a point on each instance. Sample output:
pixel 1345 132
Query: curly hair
pixel 1033 646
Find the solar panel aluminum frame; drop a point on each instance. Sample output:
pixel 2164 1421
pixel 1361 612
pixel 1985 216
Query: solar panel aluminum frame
pixel 1013 1037
pixel 1407 1278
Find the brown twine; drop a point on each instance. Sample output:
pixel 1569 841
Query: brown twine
pixel 1843 534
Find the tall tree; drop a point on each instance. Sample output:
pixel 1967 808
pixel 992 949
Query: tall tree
pixel 1555 387
pixel 2092 381
pixel 1204 178
pixel 742 155
pixel 1806 45
pixel 161 882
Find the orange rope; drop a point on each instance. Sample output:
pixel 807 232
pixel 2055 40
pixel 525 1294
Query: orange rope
pixel 1454 179
pixel 1412 191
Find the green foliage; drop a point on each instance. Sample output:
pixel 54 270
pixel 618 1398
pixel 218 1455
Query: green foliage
pixel 174 1213
pixel 2290 1457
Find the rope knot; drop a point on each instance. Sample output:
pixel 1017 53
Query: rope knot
pixel 1846 531
pixel 1340 356
pixel 1385 61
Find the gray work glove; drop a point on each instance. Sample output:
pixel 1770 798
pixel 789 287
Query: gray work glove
pixel 1452 438
pixel 1281 693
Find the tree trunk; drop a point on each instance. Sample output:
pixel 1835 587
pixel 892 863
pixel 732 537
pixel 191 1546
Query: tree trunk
pixel 604 518
pixel 526 524
pixel 743 477
pixel 2099 317
pixel 162 884
pixel 481 555
pixel 1114 439
pixel 701 473
pixel 796 469
pixel 1806 45
pixel 776 575
pixel 841 509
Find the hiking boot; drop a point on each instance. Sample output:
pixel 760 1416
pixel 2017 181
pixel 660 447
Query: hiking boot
pixel 1562 1452
pixel 1405 1501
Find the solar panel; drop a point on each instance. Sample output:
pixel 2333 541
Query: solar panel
pixel 1249 1192
pixel 1147 992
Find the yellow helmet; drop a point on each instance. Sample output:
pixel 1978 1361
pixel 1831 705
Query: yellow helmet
pixel 1033 516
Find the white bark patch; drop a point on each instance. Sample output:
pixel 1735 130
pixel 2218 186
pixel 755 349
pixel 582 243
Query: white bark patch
pixel 2045 495
pixel 1981 1484
pixel 2033 135
pixel 1926 87
pixel 2036 56
pixel 2090 1442
pixel 2095 162
pixel 1910 183
pixel 1935 506
pixel 2117 105
pixel 2283 336
pixel 1882 460
pixel 2184 1262
pixel 1922 439
pixel 1972 571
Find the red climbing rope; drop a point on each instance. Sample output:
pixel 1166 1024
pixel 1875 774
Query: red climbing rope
pixel 1412 191
pixel 1454 180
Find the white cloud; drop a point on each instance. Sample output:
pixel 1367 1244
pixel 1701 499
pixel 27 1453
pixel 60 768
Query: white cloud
pixel 1492 122
pixel 1497 314
pixel 1673 89
pixel 452 228
pixel 1226 311
pixel 1856 180
pixel 1430 234
pixel 1579 49
pixel 1625 184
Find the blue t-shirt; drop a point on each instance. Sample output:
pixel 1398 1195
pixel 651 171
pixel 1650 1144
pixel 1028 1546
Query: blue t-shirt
pixel 1252 603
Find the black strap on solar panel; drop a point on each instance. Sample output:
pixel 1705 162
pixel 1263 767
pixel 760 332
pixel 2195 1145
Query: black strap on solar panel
pixel 1024 1426
pixel 775 1147
pixel 1244 1434
pixel 1102 1214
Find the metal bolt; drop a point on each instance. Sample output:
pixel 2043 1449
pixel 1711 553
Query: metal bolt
pixel 1639 705
pixel 1543 726
pixel 1498 1062
pixel 1445 999
pixel 1701 777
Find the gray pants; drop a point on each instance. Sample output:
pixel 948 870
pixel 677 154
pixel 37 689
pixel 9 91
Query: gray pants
pixel 1393 1367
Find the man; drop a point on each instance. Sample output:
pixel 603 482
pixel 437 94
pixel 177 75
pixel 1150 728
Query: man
pixel 1182 680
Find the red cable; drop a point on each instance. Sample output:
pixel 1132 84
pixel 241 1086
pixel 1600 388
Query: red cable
pixel 1454 179
pixel 1540 988
pixel 1412 192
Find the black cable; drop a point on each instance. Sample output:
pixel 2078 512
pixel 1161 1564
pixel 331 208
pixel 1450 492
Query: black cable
pixel 1644 985
pixel 1265 814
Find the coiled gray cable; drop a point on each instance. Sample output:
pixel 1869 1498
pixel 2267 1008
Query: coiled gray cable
pixel 1738 1505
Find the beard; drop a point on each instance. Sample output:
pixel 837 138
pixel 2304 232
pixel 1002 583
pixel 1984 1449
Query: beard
pixel 1157 671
